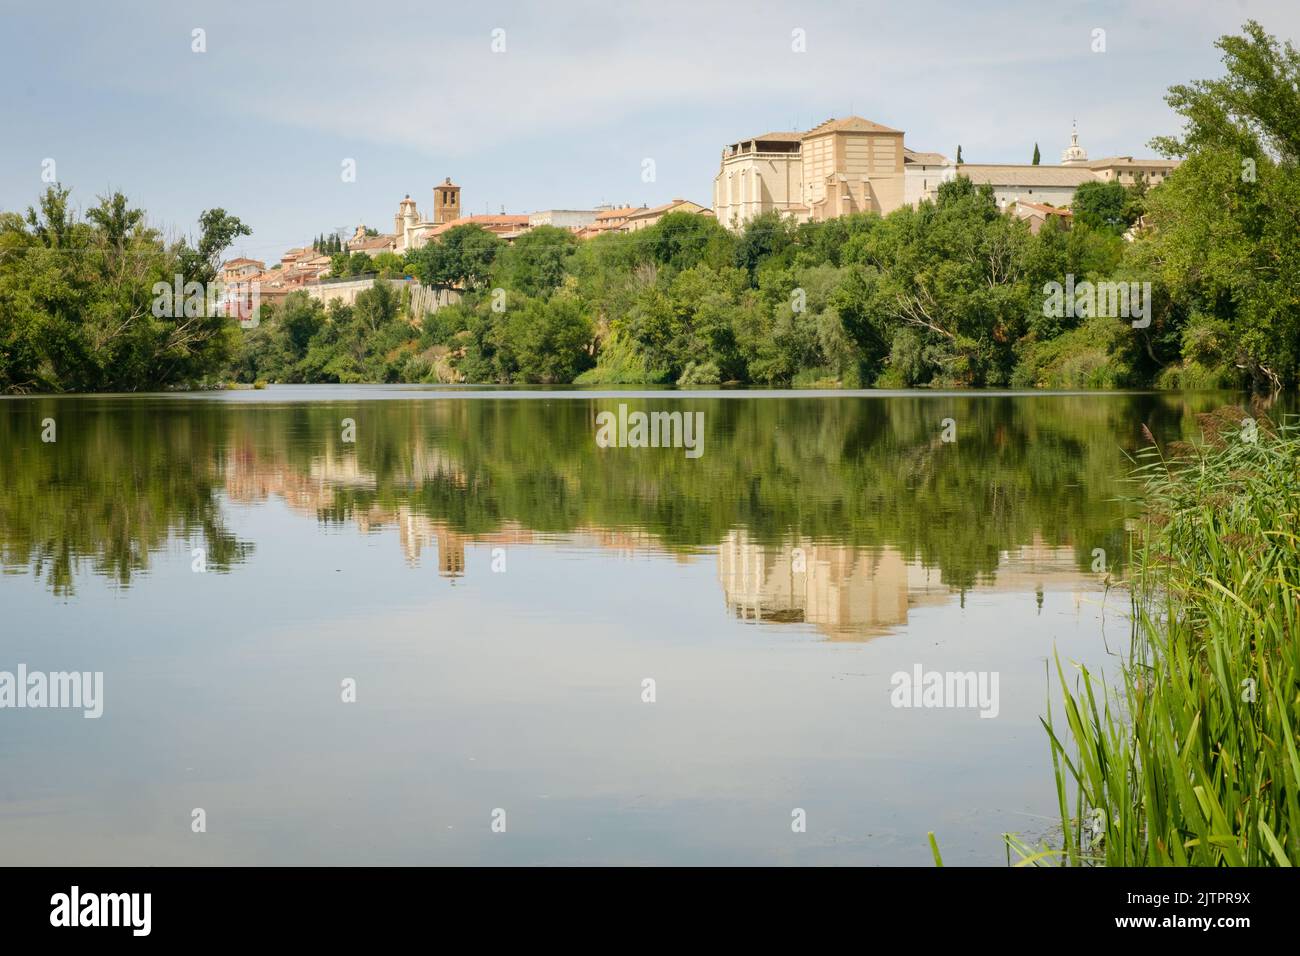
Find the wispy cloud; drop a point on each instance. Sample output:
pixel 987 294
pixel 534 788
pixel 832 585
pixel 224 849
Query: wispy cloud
pixel 583 90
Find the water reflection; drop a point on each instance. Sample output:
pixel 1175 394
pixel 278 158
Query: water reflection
pixel 848 593
pixel 840 513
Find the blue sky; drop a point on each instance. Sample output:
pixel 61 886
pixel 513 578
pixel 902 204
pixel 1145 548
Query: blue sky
pixel 261 122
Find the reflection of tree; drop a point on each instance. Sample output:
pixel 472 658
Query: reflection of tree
pixel 862 473
pixel 122 479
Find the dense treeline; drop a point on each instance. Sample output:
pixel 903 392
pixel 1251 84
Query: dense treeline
pixel 953 293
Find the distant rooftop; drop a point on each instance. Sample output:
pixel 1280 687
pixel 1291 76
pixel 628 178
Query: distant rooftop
pixel 1011 174
pixel 849 124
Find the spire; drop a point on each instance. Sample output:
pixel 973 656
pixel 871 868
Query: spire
pixel 1074 154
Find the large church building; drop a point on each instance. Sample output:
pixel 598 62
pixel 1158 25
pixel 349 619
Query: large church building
pixel 842 166
pixel 854 165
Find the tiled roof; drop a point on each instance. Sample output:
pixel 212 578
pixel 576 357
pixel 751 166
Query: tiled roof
pixel 1128 161
pixel 925 159
pixel 370 242
pixel 775 137
pixel 849 124
pixel 621 213
pixel 1017 175
pixel 661 210
pixel 1043 208
pixel 487 221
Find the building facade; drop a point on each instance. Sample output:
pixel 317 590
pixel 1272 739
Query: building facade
pixel 839 167
pixel 571 219
pixel 645 218
pixel 922 174
pixel 411 230
pixel 854 165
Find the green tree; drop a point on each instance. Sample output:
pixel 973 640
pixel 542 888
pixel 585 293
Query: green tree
pixel 1223 235
pixel 359 263
pixel 763 237
pixel 546 341
pixel 217 230
pixel 80 306
pixel 1099 205
pixel 460 259
pixel 535 263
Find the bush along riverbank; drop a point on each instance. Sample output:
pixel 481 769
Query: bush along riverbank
pixel 1193 759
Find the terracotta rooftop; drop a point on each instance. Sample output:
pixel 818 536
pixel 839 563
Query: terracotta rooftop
pixel 660 210
pixel 621 213
pixel 370 242
pixel 1043 208
pixel 501 222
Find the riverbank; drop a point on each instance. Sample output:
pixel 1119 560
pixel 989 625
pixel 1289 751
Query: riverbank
pixel 1194 759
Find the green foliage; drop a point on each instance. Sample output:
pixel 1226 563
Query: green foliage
pixel 78 307
pixel 764 237
pixel 1223 225
pixel 1099 205
pixel 536 263
pixel 544 342
pixel 1207 361
pixel 460 259
pixel 388 265
pixel 1193 760
pixel 1101 353
pixel 303 341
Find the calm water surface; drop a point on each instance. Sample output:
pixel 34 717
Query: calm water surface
pixel 499 588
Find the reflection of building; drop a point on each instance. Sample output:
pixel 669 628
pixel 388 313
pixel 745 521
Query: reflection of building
pixel 417 531
pixel 843 591
pixel 836 588
pixel 850 592
pixel 451 554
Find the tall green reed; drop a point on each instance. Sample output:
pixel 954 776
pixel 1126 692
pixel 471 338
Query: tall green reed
pixel 1192 758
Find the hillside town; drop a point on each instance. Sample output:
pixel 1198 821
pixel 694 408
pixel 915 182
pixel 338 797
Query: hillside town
pixel 840 167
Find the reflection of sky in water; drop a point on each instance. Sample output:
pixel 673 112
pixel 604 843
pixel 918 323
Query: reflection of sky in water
pixel 522 690
pixel 518 690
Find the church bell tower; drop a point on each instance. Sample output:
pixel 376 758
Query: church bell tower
pixel 446 202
